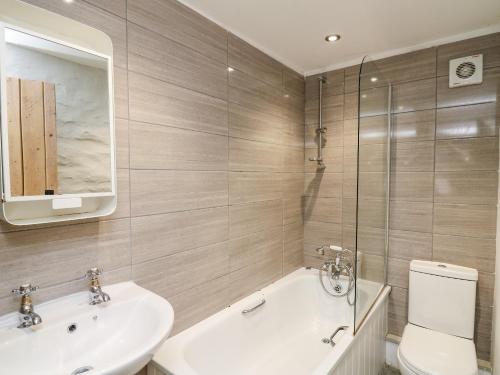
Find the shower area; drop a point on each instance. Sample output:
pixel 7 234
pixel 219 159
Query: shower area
pixel 347 184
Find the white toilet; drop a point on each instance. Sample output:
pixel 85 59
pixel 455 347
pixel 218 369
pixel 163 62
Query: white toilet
pixel 438 337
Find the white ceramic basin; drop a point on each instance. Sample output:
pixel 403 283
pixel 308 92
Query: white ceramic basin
pixel 114 338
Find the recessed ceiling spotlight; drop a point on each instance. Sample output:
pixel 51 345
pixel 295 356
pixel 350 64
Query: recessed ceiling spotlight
pixel 68 1
pixel 374 79
pixel 332 38
pixel 229 69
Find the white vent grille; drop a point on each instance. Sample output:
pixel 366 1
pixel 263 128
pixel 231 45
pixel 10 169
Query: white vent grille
pixel 466 71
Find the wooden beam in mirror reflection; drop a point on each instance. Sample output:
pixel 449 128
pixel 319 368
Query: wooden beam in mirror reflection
pixel 49 105
pixel 33 136
pixel 31 109
pixel 15 141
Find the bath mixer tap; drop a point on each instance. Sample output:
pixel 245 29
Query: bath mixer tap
pixel 96 295
pixel 27 314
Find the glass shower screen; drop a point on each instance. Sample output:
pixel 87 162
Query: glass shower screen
pixel 373 185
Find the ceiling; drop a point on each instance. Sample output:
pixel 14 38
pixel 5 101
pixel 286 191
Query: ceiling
pixel 293 31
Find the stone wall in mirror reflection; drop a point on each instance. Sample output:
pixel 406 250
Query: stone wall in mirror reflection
pixel 79 161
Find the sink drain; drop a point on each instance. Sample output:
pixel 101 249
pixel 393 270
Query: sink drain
pixel 82 370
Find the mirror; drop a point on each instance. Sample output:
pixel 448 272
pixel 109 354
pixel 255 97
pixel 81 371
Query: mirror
pixel 58 118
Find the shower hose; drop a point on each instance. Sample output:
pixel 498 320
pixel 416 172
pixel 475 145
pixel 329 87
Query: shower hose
pixel 335 282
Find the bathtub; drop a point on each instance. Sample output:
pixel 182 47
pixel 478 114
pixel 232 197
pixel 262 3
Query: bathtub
pixel 284 335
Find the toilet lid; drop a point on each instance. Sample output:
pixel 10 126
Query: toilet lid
pixel 434 353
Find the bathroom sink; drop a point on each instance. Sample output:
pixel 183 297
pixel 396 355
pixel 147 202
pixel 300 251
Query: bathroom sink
pixel 116 337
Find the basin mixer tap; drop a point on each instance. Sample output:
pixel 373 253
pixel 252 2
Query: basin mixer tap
pixel 27 314
pixel 97 295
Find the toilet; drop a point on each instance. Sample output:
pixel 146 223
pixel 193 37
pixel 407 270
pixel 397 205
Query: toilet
pixel 438 339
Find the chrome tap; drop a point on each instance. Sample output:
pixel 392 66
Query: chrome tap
pixel 97 296
pixel 27 314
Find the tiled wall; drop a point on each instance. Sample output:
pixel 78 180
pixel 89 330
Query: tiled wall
pixel 210 168
pixel 444 172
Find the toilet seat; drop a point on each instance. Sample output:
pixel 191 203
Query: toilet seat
pixel 427 352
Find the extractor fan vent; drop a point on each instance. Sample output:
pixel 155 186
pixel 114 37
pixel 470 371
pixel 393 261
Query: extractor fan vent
pixel 466 71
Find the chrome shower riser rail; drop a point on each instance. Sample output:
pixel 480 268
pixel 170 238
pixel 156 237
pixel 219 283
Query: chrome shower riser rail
pixel 320 130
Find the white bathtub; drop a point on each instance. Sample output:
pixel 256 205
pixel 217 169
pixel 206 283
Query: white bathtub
pixel 283 336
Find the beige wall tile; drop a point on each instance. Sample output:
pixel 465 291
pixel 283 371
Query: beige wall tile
pixel 371 185
pixel 293 159
pixel 333 137
pixel 351 132
pixel 256 126
pixel 118 7
pixel 251 156
pixel 372 268
pixel 372 130
pixel 372 158
pixel 472 252
pixel 122 143
pixel 164 147
pixel 174 273
pixel 256 95
pixel 371 241
pixel 323 185
pixel 478 120
pixel 255 247
pixel 164 59
pixel 327 210
pixel 371 212
pixel 412 156
pixel 332 158
pixel 398 310
pixel 334 84
pixel 161 103
pixel 349 206
pixel 465 220
pixel 467 154
pixel 466 95
pixel 414 126
pixel 210 298
pixel 293 210
pixel 350 159
pixel 411 66
pixel 351 79
pixel 161 191
pixel 245 187
pixel 373 101
pixel 410 245
pixel 414 96
pixel 248 59
pixel 161 235
pixel 412 186
pixel 333 110
pixel 466 187
pixel 397 273
pixel 321 233
pixel 351 106
pixel 483 331
pixel 411 216
pixel 253 217
pixel 120 76
pixel 178 22
pixel 294 82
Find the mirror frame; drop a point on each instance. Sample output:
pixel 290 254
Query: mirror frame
pixel 38 22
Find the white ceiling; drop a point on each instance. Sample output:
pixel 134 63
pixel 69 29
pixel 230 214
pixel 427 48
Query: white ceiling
pixel 293 31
